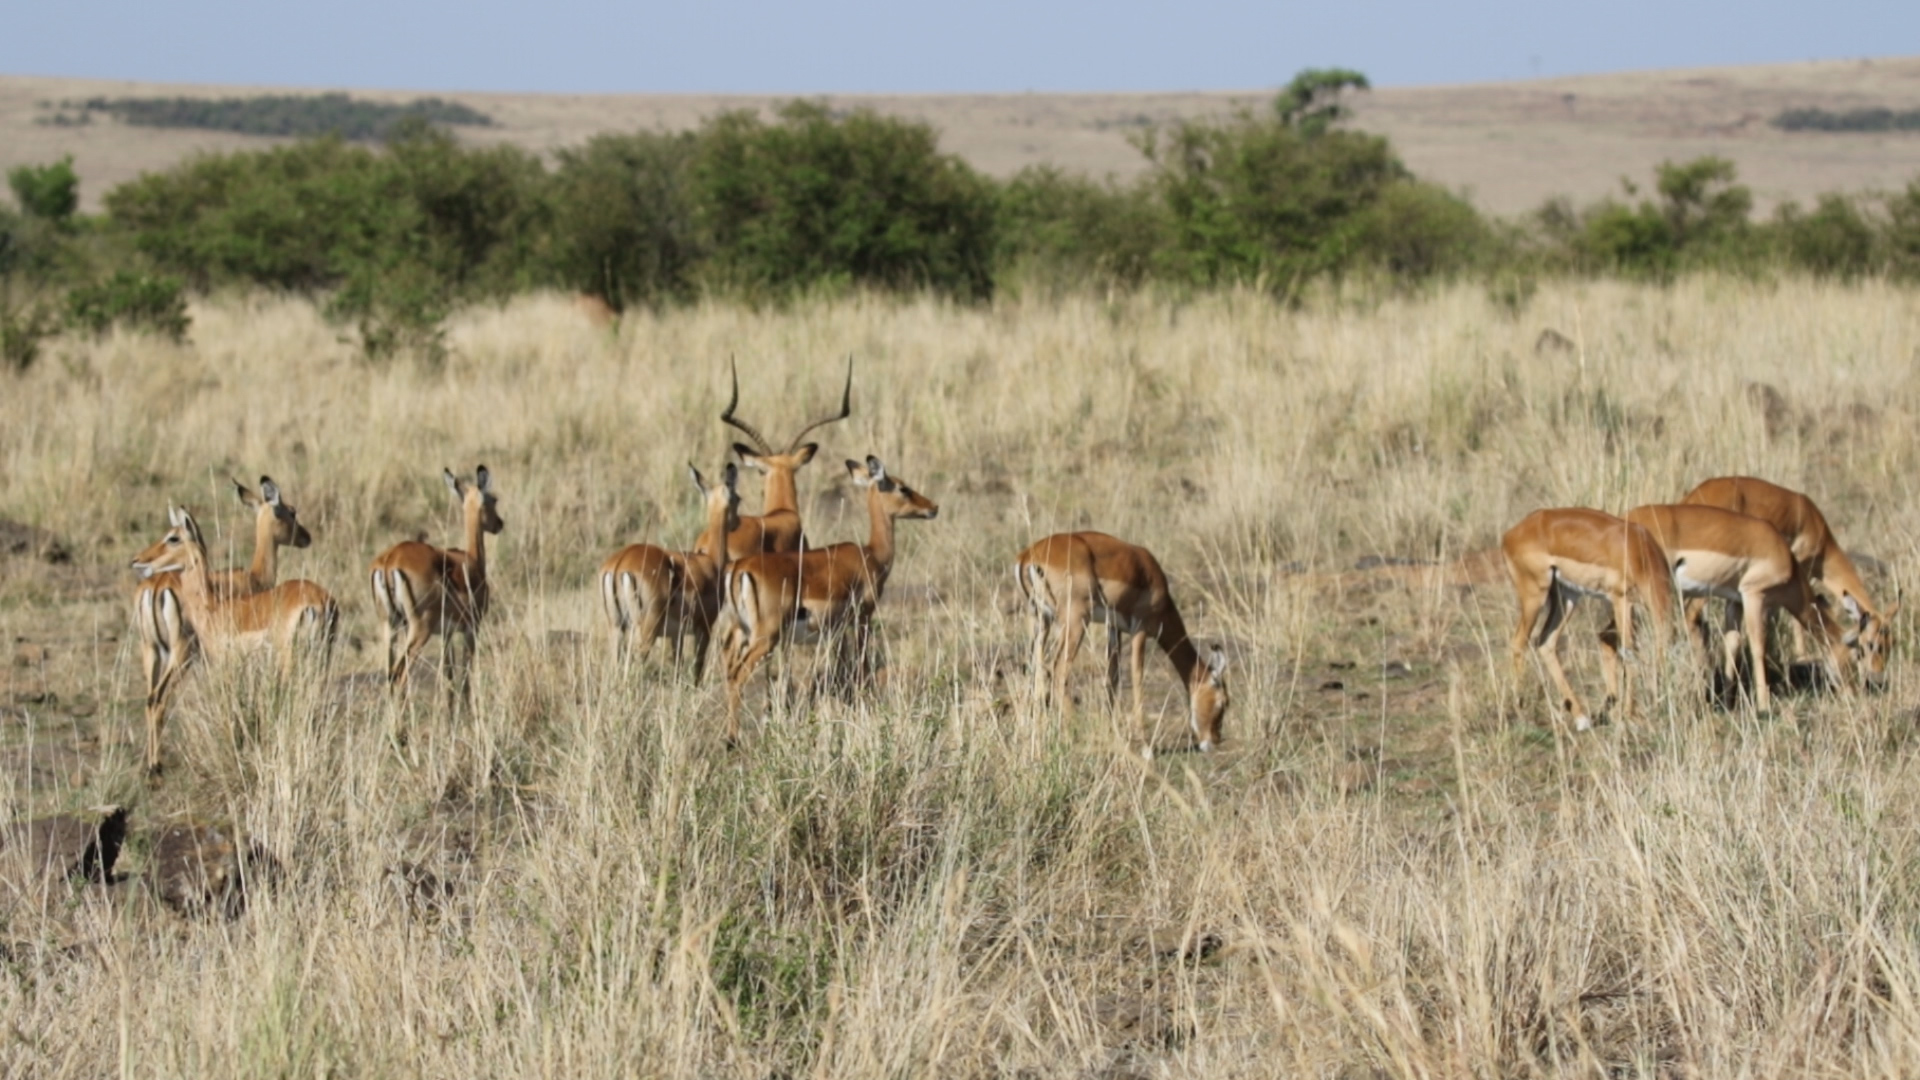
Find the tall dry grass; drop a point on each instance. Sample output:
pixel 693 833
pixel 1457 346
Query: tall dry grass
pixel 1405 875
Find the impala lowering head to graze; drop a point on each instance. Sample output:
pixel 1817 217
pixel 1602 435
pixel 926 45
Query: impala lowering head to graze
pixel 777 528
pixel 824 591
pixel 1071 579
pixel 1718 553
pixel 649 592
pixel 1555 557
pixel 425 590
pixel 219 622
pixel 1815 548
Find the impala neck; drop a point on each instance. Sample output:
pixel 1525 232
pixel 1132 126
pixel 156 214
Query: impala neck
pixel 781 494
pixel 880 536
pixel 1173 638
pixel 713 542
pixel 265 568
pixel 476 537
pixel 196 581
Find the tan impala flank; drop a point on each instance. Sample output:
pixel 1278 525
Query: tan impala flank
pixel 425 590
pixel 830 590
pixel 1718 553
pixel 1815 549
pixel 649 592
pixel 777 528
pixel 1555 557
pixel 1075 578
pixel 222 623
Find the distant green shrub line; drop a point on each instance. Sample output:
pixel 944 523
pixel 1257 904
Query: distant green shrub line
pixel 1851 120
pixel 292 115
pixel 809 201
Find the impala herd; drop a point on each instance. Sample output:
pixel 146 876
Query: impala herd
pixel 755 582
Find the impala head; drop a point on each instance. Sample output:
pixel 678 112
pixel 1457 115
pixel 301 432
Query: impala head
pixel 477 497
pixel 1871 638
pixel 287 530
pixel 899 500
pixel 1207 700
pixel 174 551
pixel 761 454
pixel 725 493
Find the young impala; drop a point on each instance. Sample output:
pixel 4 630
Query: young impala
pixel 650 593
pixel 777 529
pixel 1813 545
pixel 817 592
pixel 1718 553
pixel 221 622
pixel 1076 578
pixel 425 590
pixel 1556 557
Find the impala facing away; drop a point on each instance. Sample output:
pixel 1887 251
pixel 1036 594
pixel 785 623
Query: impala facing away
pixel 1827 566
pixel 220 622
pixel 650 592
pixel 777 529
pixel 1718 553
pixel 1076 578
pixel 817 592
pixel 166 635
pixel 1555 557
pixel 427 590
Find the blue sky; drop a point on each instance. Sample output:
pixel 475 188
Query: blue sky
pixel 852 46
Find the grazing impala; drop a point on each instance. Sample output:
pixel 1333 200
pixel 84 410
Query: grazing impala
pixel 1718 553
pixel 817 592
pixel 650 593
pixel 1827 566
pixel 427 590
pixel 777 528
pixel 1076 578
pixel 1555 557
pixel 222 622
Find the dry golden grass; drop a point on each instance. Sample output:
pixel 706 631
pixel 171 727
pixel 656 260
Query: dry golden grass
pixel 1508 144
pixel 1408 873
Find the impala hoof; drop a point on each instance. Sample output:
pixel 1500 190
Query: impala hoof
pixel 1206 747
pixel 1146 752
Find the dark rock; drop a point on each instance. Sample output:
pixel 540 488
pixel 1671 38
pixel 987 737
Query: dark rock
pixel 62 848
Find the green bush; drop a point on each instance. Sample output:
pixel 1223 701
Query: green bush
pixel 1902 234
pixel 23 327
pixel 48 192
pixel 861 199
pixel 1253 199
pixel 623 218
pixel 1631 241
pixel 1415 230
pixel 1070 231
pixel 151 302
pixel 1835 240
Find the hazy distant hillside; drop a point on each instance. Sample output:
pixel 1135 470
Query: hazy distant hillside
pixel 1510 144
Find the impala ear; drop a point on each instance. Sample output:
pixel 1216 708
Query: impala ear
pixel 176 517
pixel 859 474
pixel 270 491
pixel 730 475
pixel 453 483
pixel 247 498
pixel 192 527
pixel 878 471
pixel 482 479
pixel 697 481
pixel 1216 665
pixel 805 453
pixel 1853 606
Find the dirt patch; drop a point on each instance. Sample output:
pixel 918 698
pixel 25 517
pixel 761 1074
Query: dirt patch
pixel 20 540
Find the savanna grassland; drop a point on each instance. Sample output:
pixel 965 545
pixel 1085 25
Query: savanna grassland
pixel 1396 864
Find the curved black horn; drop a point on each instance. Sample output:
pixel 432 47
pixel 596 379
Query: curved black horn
pixel 727 417
pixel 846 410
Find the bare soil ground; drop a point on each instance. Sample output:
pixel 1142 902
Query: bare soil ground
pixel 1510 145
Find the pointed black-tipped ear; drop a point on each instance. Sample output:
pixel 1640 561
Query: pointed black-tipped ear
pixel 185 521
pixel 730 475
pixel 805 453
pixel 453 482
pixel 698 481
pixel 482 479
pixel 176 516
pixel 859 474
pixel 270 491
pixel 1216 665
pixel 875 469
pixel 747 453
pixel 247 498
